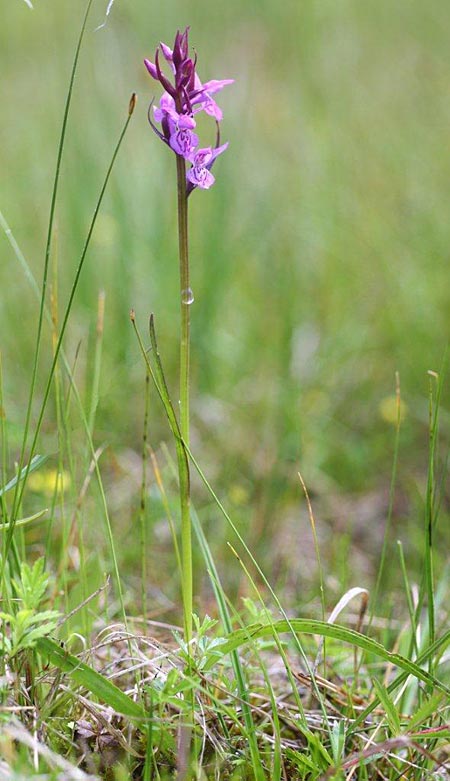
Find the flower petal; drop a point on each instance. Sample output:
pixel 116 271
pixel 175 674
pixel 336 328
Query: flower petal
pixel 185 121
pixel 167 51
pixel 151 69
pixel 219 149
pixel 200 177
pixel 202 157
pixel 183 142
pixel 210 107
pixel 215 85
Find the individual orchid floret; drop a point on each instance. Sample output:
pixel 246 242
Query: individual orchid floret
pixel 183 98
pixel 184 142
pixel 200 174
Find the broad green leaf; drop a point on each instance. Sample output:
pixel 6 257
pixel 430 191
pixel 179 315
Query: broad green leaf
pixel 336 632
pixel 90 679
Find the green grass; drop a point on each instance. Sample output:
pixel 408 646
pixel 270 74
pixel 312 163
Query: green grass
pixel 319 268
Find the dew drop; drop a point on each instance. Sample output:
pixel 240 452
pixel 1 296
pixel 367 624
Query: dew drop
pixel 187 296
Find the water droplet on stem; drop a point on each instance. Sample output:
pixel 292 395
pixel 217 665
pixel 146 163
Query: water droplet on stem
pixel 187 296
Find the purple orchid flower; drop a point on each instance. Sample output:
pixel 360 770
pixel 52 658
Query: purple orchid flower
pixel 183 141
pixel 181 100
pixel 202 160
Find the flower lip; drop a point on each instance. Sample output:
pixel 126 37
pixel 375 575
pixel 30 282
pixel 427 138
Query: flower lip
pixel 200 177
pixel 183 142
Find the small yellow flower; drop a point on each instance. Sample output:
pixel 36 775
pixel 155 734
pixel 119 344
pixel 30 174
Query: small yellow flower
pixel 238 495
pixel 46 481
pixel 392 409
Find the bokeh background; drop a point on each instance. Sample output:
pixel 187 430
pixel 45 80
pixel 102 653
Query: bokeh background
pixel 319 259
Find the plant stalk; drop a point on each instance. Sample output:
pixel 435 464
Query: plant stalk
pixel 185 302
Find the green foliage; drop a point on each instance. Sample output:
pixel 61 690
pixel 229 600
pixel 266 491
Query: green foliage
pixel 389 707
pixel 23 629
pixel 337 741
pixel 25 626
pixel 313 284
pixel 89 678
pixel 36 463
pixel 356 639
pixel 32 585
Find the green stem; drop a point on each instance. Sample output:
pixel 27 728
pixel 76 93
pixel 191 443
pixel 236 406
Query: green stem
pixel 18 493
pixel 21 484
pixel 185 302
pixel 185 298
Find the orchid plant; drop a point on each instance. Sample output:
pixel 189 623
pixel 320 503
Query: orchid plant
pixel 174 122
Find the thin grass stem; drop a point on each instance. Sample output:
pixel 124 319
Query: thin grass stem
pixel 19 490
pixel 99 331
pixel 299 646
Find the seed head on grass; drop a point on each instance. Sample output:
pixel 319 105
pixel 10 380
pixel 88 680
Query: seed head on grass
pixel 178 105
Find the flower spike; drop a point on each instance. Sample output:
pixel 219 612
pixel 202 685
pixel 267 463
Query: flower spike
pixel 180 101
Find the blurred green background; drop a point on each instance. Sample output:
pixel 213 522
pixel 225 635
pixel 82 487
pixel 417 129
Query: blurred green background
pixel 319 260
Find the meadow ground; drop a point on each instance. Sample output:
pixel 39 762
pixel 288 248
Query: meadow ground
pixel 319 266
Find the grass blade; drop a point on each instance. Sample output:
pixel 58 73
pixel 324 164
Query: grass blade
pixel 90 679
pixel 25 521
pixel 18 494
pixel 336 632
pixel 35 463
pixel 389 707
pixel 236 662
